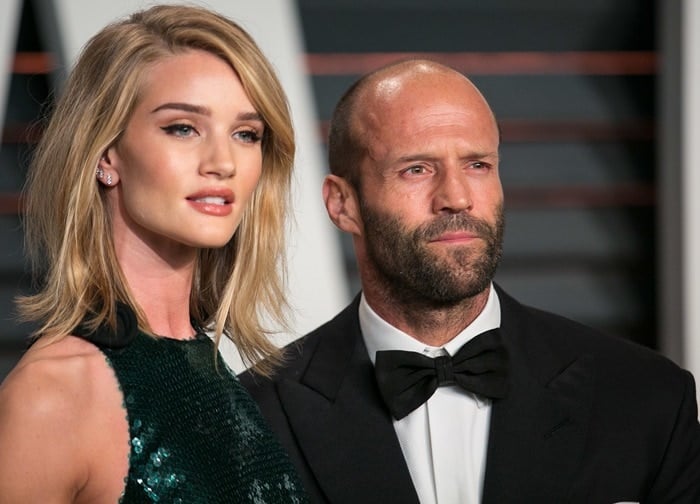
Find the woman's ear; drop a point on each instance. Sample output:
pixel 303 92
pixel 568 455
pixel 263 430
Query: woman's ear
pixel 107 172
pixel 342 204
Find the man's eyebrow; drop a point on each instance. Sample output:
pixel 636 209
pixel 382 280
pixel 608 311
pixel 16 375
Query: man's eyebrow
pixel 430 157
pixel 415 157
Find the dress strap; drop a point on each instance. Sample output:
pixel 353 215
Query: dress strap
pixel 105 336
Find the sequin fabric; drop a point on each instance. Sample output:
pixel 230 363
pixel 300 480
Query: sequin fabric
pixel 196 435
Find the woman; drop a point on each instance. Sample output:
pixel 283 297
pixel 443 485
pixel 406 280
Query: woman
pixel 155 206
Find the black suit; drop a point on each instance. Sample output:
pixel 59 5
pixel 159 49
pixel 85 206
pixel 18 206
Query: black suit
pixel 588 418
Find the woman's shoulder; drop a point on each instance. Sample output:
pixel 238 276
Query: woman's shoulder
pixel 51 377
pixel 52 407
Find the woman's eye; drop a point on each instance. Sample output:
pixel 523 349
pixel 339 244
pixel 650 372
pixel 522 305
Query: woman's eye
pixel 248 136
pixel 182 130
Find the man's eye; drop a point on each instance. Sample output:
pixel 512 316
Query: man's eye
pixel 415 170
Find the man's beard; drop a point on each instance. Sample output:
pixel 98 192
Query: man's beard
pixel 414 273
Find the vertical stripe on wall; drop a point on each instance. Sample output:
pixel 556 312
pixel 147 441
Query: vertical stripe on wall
pixel 669 163
pixel 317 281
pixel 9 24
pixel 690 219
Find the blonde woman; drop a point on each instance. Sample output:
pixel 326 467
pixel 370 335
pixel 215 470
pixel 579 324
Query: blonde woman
pixel 155 210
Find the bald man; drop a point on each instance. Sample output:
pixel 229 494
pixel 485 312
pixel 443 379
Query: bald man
pixel 434 385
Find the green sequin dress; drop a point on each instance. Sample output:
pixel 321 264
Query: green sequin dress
pixel 196 435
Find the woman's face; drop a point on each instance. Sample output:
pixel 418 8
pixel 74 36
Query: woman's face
pixel 189 159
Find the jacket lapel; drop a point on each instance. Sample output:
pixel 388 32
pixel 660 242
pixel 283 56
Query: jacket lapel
pixel 342 426
pixel 538 431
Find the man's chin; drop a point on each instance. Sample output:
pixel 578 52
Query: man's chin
pixel 462 256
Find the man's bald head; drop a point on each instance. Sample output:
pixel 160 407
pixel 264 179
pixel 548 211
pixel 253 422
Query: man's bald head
pixel 363 107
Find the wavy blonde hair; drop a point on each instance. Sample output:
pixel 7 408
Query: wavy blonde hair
pixel 68 232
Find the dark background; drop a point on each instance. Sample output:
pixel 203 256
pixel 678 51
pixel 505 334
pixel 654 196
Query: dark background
pixel 574 86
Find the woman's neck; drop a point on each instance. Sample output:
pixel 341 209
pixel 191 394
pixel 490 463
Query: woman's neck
pixel 162 289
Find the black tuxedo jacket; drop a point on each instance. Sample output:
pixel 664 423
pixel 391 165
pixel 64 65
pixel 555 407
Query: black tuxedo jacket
pixel 588 418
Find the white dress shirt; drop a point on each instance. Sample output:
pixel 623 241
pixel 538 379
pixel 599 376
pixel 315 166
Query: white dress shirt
pixel 444 440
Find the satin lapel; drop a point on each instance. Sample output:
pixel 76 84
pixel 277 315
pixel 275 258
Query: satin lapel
pixel 538 431
pixel 343 428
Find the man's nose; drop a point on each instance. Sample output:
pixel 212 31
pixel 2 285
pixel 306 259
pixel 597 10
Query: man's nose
pixel 453 193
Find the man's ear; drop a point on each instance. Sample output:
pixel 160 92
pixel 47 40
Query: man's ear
pixel 342 204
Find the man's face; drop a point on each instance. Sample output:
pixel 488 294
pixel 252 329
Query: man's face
pixel 431 202
pixel 413 268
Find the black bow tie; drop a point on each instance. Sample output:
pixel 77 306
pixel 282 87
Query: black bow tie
pixel 408 379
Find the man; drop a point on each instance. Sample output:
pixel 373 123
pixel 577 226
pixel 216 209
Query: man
pixel 548 411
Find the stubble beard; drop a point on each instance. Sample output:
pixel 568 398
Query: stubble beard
pixel 411 273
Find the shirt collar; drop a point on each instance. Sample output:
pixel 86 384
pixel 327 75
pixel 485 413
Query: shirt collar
pixel 380 335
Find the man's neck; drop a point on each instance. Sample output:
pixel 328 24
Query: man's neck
pixel 427 322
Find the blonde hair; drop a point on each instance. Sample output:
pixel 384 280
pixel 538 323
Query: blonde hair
pixel 68 229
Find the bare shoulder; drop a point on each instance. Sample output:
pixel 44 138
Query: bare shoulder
pixel 54 407
pixel 51 381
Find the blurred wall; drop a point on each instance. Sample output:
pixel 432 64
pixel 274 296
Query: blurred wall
pixel 690 196
pixel 9 24
pixel 602 207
